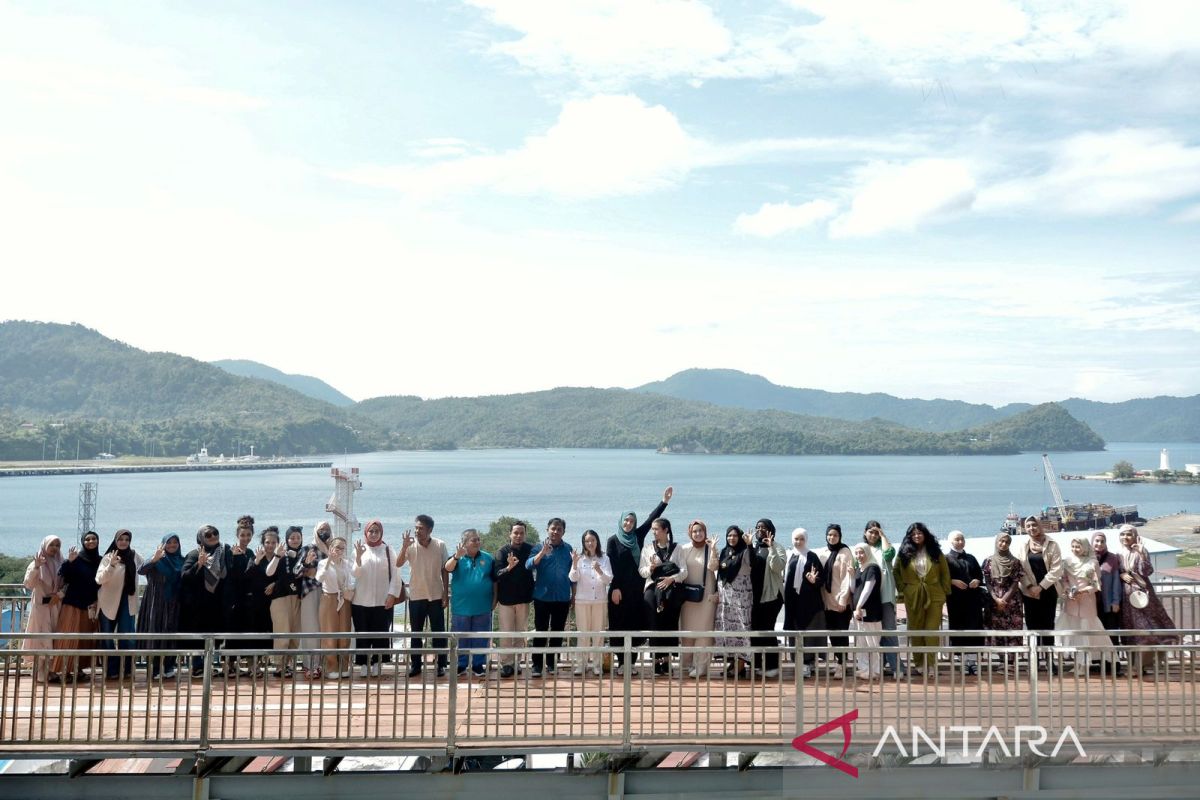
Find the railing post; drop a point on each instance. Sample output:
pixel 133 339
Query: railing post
pixel 452 710
pixel 1033 674
pixel 799 678
pixel 206 693
pixel 627 684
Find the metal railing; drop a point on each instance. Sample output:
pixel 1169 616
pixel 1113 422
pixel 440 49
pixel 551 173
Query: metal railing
pixel 234 701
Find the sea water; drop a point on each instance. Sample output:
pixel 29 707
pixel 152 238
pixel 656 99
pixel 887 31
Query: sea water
pixel 591 489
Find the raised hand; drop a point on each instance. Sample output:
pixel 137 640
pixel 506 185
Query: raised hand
pixel 260 554
pixel 201 557
pixel 747 538
pixel 575 558
pixel 546 548
pixel 596 566
pixel 360 547
pixel 812 575
pixel 408 538
pixel 237 550
pixel 311 557
pixel 159 552
pixel 40 560
pixel 73 554
pixel 460 551
pixel 668 493
pixel 655 560
pixel 512 561
pixel 280 550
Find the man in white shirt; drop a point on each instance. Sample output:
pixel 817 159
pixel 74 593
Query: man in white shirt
pixel 428 588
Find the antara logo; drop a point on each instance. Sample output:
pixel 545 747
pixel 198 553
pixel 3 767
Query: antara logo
pixel 801 743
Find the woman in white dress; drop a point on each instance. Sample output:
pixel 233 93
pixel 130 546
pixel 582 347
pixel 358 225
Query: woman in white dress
pixel 1078 587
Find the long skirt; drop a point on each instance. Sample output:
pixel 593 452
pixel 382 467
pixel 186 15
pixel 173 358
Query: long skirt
pixel 73 620
pixel 733 613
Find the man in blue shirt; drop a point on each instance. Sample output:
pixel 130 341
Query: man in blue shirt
pixel 552 591
pixel 472 597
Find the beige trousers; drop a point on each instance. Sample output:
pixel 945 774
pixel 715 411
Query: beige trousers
pixel 285 619
pixel 335 621
pixel 512 618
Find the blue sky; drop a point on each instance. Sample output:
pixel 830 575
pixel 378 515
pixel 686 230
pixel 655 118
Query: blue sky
pixel 993 201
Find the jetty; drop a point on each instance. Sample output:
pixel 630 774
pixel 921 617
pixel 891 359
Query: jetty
pixel 114 469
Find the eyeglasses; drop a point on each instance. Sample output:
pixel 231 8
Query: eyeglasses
pixel 212 535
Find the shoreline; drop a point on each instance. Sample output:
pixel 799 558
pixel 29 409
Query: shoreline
pixel 116 469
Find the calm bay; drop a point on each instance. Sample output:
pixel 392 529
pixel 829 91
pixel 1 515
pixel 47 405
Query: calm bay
pixel 591 489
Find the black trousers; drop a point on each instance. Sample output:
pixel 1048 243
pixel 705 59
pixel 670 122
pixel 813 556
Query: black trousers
pixel 1039 614
pixel 549 615
pixel 628 615
pixel 838 621
pixel 762 618
pixel 665 620
pixel 1111 620
pixel 964 612
pixel 370 619
pixel 431 611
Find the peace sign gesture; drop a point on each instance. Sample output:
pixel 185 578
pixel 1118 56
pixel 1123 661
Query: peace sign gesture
pixel 811 575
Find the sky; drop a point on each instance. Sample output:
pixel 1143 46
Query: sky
pixel 990 201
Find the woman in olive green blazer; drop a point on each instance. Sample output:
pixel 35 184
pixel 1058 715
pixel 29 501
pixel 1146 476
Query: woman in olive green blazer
pixel 923 580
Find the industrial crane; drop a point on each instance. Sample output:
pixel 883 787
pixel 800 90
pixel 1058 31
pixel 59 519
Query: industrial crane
pixel 1058 498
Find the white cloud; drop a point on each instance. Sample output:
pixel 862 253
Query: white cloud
pixel 1189 214
pixel 899 197
pixel 1127 171
pixel 773 219
pixel 602 38
pixel 601 146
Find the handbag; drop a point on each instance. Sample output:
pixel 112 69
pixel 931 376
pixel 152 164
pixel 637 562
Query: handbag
pixel 1139 597
pixel 693 592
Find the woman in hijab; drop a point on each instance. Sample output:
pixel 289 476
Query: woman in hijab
pixel 697 560
pixel 286 568
pixel 308 588
pixel 118 600
pixel 768 559
pixel 209 590
pixel 1135 576
pixel 1079 586
pixel 802 604
pixel 1002 573
pixel 159 611
pixel 735 600
pixel 660 592
pixel 43 580
pixel 837 588
pixel 626 605
pixel 1108 600
pixel 377 588
pixel 923 580
pixel 79 613
pixel 337 592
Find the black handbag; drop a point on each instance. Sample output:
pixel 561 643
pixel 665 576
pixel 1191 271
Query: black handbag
pixel 694 593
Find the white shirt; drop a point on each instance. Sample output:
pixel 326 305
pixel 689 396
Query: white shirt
pixel 111 579
pixel 589 586
pixel 335 578
pixel 371 583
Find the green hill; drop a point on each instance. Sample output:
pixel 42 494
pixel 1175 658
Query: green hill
pixel 304 384
pixel 71 385
pixel 1167 419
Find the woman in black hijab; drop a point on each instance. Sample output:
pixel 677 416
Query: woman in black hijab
pixel 736 594
pixel 208 589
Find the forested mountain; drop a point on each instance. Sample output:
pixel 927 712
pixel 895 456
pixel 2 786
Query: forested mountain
pixel 304 384
pixel 70 385
pixel 1165 419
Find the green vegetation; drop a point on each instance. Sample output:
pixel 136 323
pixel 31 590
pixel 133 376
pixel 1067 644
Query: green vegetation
pixel 497 534
pixel 1123 470
pixel 304 384
pixel 12 569
pixel 69 388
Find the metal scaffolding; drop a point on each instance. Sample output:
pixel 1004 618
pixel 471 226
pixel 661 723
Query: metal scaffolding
pixel 87 507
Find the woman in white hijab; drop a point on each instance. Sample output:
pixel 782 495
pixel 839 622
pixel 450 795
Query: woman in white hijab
pixel 1078 587
pixel 43 580
pixel 1136 570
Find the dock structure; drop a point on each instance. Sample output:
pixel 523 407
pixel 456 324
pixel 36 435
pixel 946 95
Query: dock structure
pixel 115 469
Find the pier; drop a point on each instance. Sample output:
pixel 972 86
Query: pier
pixel 116 469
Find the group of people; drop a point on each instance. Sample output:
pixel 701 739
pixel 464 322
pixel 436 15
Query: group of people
pixel 305 594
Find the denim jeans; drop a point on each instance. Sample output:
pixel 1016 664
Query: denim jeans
pixel 481 623
pixel 124 623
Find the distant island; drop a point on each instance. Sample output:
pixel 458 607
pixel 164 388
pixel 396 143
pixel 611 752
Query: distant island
pixel 67 389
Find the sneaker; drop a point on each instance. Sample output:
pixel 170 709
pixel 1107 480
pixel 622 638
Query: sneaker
pixel 596 670
pixel 414 670
pixel 441 672
pixel 363 670
pixel 578 670
pixel 479 671
pixel 807 671
pixel 462 671
pixel 772 673
pixel 333 676
pixel 507 671
pixel 537 672
pixel 693 673
pixel 375 670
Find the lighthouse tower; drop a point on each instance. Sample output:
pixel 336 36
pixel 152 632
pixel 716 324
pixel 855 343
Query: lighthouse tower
pixel 1164 460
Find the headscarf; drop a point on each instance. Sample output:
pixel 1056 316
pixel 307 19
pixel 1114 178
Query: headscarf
pixel 1127 555
pixel 90 557
pixel 214 571
pixel 1001 564
pixel 801 554
pixel 629 540
pixel 388 553
pixel 827 570
pixel 730 560
pixel 127 559
pixel 171 567
pixel 48 571
pixel 950 536
pixel 1076 566
pixel 1105 560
